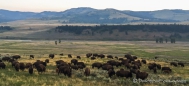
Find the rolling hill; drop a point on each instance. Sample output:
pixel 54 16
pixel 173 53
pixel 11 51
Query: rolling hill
pixel 99 16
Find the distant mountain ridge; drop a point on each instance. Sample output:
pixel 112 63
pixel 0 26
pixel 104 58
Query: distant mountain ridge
pixel 99 16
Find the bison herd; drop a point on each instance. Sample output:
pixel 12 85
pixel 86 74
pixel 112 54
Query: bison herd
pixel 128 66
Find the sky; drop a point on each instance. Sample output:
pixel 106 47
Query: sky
pixel 61 5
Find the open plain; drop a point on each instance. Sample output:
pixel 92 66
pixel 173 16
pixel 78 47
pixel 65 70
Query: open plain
pixel 166 53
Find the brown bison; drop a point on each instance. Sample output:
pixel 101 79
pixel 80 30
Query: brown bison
pixel 47 60
pixel 127 65
pixel 62 64
pixel 69 56
pixel 75 67
pixel 135 71
pixel 6 58
pixel 141 75
pixel 156 57
pixel 93 58
pixel 123 73
pixel 101 56
pixel 134 57
pixel 61 54
pixel 87 72
pixel 31 56
pixel 120 59
pixel 97 64
pixel 110 56
pixel 14 63
pixel 28 65
pixel 114 63
pixel 51 56
pixel 181 64
pixel 88 55
pixel 155 70
pixel 59 62
pixel 40 68
pixel 174 64
pixel 116 57
pixel 95 55
pixel 78 57
pixel 111 72
pixel 16 57
pixel 82 64
pixel 74 61
pixel 30 70
pixel 66 70
pixel 144 61
pixel 17 66
pixel 22 66
pixel 11 60
pixel 2 65
pixel 158 66
pixel 107 67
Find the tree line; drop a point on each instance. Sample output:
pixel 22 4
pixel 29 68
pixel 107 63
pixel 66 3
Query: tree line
pixel 5 28
pixel 178 28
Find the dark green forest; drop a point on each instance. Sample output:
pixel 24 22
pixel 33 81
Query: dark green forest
pixel 177 28
pixel 5 28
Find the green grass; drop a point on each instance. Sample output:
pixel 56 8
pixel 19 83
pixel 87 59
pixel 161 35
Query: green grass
pixel 142 49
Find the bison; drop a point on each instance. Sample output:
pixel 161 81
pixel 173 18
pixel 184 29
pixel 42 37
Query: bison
pixel 107 67
pixel 123 73
pixel 181 64
pixel 174 64
pixel 78 57
pixel 16 57
pixel 93 58
pixel 6 58
pixel 166 68
pixel 97 64
pixel 40 68
pixel 59 62
pixel 88 55
pixel 66 70
pixel 30 70
pixel 69 56
pixel 158 66
pixel 17 66
pixel 2 65
pixel 28 65
pixel 61 54
pixel 31 56
pixel 51 56
pixel 141 75
pixel 74 67
pixel 101 56
pixel 144 61
pixel 82 64
pixel 111 72
pixel 47 60
pixel 22 66
pixel 14 63
pixel 110 56
pixel 87 72
pixel 155 70
pixel 74 61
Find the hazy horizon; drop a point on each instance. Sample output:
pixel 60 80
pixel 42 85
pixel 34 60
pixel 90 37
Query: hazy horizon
pixel 62 5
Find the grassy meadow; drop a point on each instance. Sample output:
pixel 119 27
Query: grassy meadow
pixel 166 52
